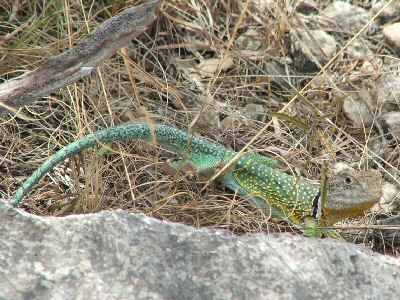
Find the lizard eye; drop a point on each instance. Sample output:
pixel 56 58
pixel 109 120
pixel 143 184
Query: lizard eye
pixel 347 180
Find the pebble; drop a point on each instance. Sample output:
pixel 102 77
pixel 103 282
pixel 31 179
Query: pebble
pixel 390 123
pixel 307 7
pixel 355 108
pixel 391 33
pixel 390 193
pixel 322 46
pixel 253 111
pixel 358 49
pixel 390 12
pixel 388 89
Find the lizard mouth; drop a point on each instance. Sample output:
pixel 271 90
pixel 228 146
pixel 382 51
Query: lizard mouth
pixel 334 215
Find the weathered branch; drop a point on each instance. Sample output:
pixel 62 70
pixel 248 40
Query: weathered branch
pixel 80 60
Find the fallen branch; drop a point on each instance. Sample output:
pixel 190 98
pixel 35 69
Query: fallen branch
pixel 80 60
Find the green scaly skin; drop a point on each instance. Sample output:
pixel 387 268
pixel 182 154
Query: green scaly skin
pixel 252 176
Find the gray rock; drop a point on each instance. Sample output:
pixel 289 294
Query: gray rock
pixel 250 40
pixel 390 12
pixel 395 220
pixel 379 147
pixel 390 123
pixel 358 107
pixel 253 111
pixel 390 193
pixel 391 33
pixel 306 7
pixel 358 49
pixel 390 237
pixel 260 8
pixel 282 83
pixel 388 91
pixel 349 17
pixel 306 47
pixel 118 255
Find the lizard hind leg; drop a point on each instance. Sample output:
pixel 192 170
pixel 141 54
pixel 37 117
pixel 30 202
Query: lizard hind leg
pixel 203 165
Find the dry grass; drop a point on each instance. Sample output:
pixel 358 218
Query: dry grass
pixel 154 79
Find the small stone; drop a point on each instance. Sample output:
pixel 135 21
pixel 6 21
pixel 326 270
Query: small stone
pixel 378 147
pixel 253 111
pixel 391 34
pixel 356 108
pixel 388 91
pixel 350 17
pixel 367 67
pixel 339 167
pixel 390 193
pixel 263 5
pixel 358 49
pixel 391 11
pixel 260 9
pixel 395 220
pixel 359 74
pixel 251 40
pixel 307 7
pixel 232 122
pixel 388 236
pixel 281 81
pixel 321 46
pixel 390 123
pixel 210 116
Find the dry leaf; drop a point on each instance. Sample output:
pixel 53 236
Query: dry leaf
pixel 211 66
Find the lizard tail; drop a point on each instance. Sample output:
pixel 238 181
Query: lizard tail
pixel 176 140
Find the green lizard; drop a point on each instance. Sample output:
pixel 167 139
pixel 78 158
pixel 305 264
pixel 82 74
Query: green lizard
pixel 255 177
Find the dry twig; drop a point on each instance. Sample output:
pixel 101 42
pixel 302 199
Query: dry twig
pixel 80 60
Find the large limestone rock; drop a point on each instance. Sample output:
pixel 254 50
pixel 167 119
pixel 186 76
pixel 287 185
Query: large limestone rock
pixel 117 255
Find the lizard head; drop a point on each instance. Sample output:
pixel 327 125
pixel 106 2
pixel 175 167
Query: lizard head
pixel 350 192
